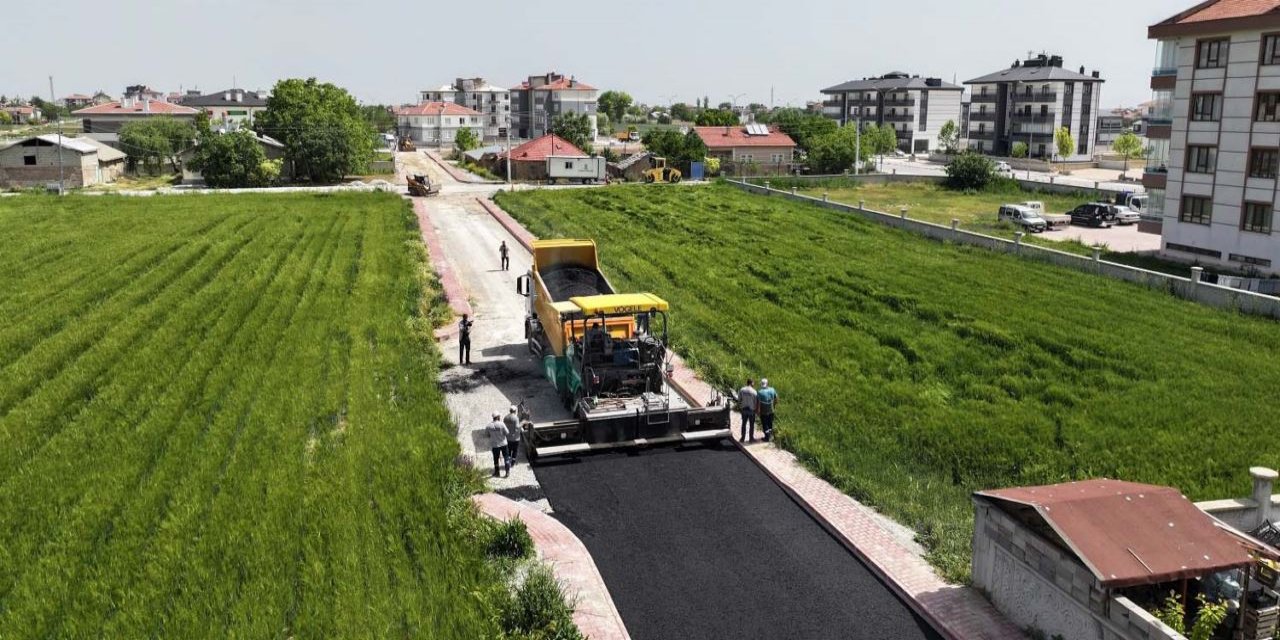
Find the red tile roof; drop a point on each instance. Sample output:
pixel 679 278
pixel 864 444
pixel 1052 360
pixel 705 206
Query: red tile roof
pixel 1227 9
pixel 436 109
pixel 136 107
pixel 736 136
pixel 19 109
pixel 538 150
pixel 563 84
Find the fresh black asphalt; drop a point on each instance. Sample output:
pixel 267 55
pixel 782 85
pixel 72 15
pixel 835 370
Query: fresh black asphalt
pixel 698 542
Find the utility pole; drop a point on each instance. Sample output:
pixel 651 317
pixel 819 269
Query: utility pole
pixel 53 101
pixel 509 185
pixel 857 145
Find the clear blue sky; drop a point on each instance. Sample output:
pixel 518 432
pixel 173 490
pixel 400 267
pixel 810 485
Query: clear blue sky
pixel 656 49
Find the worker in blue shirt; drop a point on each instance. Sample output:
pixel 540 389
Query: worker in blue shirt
pixel 767 400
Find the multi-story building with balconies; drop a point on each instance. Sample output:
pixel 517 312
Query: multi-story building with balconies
pixel 915 107
pixel 1214 132
pixel 492 102
pixel 538 100
pixel 1028 102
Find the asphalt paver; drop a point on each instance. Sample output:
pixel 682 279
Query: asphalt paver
pixel 697 542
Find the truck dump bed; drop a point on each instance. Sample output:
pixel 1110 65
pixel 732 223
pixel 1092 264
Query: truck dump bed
pixel 564 282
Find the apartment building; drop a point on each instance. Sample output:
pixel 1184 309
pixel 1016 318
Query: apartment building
pixel 538 100
pixel 228 109
pixel 915 107
pixel 492 102
pixel 1215 133
pixel 436 123
pixel 1028 102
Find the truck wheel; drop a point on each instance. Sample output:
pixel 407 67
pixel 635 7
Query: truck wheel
pixel 675 178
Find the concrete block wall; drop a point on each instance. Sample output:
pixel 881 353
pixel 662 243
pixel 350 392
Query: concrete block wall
pixel 1138 623
pixel 1185 288
pixel 1247 514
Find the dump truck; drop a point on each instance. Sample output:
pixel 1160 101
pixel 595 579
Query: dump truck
pixel 606 355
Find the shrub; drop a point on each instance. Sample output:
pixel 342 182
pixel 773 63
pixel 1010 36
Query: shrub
pixel 538 609
pixel 1019 150
pixel 510 539
pixel 970 171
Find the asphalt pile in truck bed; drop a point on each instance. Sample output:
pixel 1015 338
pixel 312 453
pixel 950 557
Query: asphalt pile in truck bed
pixel 570 282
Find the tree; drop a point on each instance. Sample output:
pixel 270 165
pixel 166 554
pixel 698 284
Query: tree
pixel 801 126
pixel 379 117
pixel 1019 150
pixel 324 133
pixel 884 139
pixel 712 165
pixel 970 170
pixel 614 103
pixel 234 160
pixel 1128 144
pixel 604 124
pixel 682 111
pixel 574 127
pixel 949 137
pixel 725 106
pixel 676 148
pixel 837 151
pixel 1064 141
pixel 716 118
pixel 157 140
pixel 465 140
pixel 5 118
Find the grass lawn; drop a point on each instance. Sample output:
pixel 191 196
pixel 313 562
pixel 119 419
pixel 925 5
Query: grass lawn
pixel 219 418
pixel 913 372
pixel 137 183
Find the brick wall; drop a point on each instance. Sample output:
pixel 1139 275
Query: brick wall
pixel 24 177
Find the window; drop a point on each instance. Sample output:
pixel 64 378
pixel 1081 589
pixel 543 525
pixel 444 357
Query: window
pixel 1261 262
pixel 1263 163
pixel 568 164
pixel 1206 107
pixel 1186 248
pixel 746 157
pixel 1201 159
pixel 1271 49
pixel 1196 210
pixel 1212 54
pixel 29 161
pixel 1267 107
pixel 1256 217
pixel 777 158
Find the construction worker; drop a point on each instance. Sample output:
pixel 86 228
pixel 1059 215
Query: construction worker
pixel 512 422
pixel 503 251
pixel 767 399
pixel 464 340
pixel 496 433
pixel 747 401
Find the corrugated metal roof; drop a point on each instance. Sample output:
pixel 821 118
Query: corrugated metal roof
pixel 1128 533
pixel 105 153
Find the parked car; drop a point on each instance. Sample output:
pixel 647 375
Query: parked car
pixel 1003 168
pixel 1025 217
pixel 1091 215
pixel 1053 221
pixel 1120 214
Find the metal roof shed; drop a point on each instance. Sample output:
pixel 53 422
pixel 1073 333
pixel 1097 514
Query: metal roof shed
pixel 1125 533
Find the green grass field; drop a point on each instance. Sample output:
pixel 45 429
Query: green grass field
pixel 913 372
pixel 219 418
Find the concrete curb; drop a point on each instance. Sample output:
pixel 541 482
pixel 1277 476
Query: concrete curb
pixel 594 611
pixel 454 172
pixel 453 290
pixel 956 612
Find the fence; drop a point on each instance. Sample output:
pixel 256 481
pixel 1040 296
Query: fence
pixel 1187 288
pixel 1097 191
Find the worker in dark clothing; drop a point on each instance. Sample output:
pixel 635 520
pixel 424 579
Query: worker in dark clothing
pixel 512 422
pixel 464 340
pixel 747 402
pixel 503 251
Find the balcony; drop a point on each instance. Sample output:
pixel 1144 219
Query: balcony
pixel 905 133
pixel 1155 179
pixel 899 117
pixel 1164 71
pixel 1033 118
pixel 982 135
pixel 989 116
pixel 981 98
pixel 832 103
pixel 1039 96
pixel 899 102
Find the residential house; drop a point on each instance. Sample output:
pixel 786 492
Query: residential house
pixel 538 100
pixel 40 160
pixel 475 93
pixel 1109 128
pixel 22 113
pixel 436 123
pixel 1214 131
pixel 142 92
pixel 110 117
pixel 529 160
pixel 1028 102
pixel 915 107
pixel 272 148
pixel 228 109
pixel 101 97
pixel 749 149
pixel 76 101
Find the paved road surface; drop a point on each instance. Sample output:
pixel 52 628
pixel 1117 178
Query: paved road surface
pixel 699 543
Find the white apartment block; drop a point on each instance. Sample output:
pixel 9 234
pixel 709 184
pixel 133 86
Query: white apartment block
pixel 915 107
pixel 436 123
pixel 1028 102
pixel 538 100
pixel 492 102
pixel 1215 134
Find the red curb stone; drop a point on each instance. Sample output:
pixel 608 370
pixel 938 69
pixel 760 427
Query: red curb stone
pixel 454 172
pixel 957 612
pixel 593 611
pixel 453 290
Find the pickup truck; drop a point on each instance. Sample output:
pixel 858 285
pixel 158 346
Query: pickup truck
pixel 1092 215
pixel 1025 217
pixel 1053 221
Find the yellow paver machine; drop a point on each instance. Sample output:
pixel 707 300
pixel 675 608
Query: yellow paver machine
pixel 606 354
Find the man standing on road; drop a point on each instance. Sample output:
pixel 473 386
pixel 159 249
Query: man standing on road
pixel 747 401
pixel 464 340
pixel 497 435
pixel 512 422
pixel 767 399
pixel 503 251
